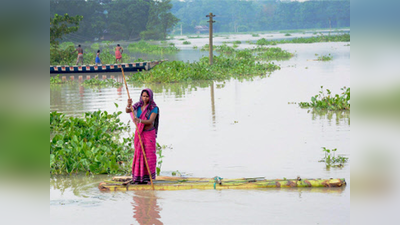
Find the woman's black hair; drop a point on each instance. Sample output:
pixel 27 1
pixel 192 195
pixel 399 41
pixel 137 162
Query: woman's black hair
pixel 117 44
pixel 98 51
pixel 146 92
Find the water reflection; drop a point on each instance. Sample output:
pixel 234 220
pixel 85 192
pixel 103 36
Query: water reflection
pixel 212 103
pixel 77 184
pixel 338 116
pixel 145 208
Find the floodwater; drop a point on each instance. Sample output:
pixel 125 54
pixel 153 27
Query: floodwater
pixel 236 128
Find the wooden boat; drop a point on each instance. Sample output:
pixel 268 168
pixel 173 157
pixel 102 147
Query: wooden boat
pixel 134 66
pixel 122 183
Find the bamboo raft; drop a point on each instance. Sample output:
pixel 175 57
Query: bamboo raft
pixel 122 183
pixel 133 66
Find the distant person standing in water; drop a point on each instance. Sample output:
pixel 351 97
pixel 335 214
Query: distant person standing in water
pixel 118 53
pixel 98 61
pixel 80 55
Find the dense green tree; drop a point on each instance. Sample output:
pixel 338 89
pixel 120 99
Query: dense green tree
pixel 62 25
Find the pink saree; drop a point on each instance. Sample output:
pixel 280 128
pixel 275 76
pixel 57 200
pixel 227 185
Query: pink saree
pixel 139 170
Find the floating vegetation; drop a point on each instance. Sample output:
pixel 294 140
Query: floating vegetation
pixel 287 34
pixel 101 83
pixel 91 144
pixel 237 42
pixel 145 47
pixel 238 64
pixel 325 57
pixel 290 31
pixel 194 47
pixel 255 35
pixel 273 53
pixel 224 49
pixel 192 37
pixel 206 47
pixel 186 43
pixel 56 80
pixel 181 39
pixel 331 160
pixel 322 101
pixel 95 46
pixel 320 38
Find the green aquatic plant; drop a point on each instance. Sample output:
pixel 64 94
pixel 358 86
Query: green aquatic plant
pixel 145 47
pixel 289 31
pixel 160 156
pixel 224 49
pixel 331 160
pixel 95 46
pixel 315 39
pixel 206 47
pixel 192 37
pixel 287 34
pixel 94 143
pixel 237 42
pixel 90 144
pixel 255 35
pixel 239 63
pixel 273 53
pixel 56 80
pixel 101 83
pixel 186 43
pixel 325 57
pixel 328 101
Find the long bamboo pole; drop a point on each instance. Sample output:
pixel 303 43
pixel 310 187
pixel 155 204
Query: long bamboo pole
pixel 137 131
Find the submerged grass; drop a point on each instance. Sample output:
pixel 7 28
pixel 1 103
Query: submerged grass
pixel 328 101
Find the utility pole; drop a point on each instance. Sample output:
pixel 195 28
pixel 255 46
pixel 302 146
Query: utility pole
pixel 211 36
pixel 330 27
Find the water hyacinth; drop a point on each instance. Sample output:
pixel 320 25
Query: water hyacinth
pixel 328 101
pixel 145 47
pixel 239 64
pixel 321 38
pixel 89 144
pixel 101 83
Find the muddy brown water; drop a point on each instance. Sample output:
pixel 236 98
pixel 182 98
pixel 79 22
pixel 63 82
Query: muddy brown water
pixel 236 128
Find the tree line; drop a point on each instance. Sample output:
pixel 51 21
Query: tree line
pixel 261 15
pixel 117 19
pixel 155 19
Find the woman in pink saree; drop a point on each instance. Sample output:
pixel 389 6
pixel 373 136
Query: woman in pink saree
pixel 145 115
